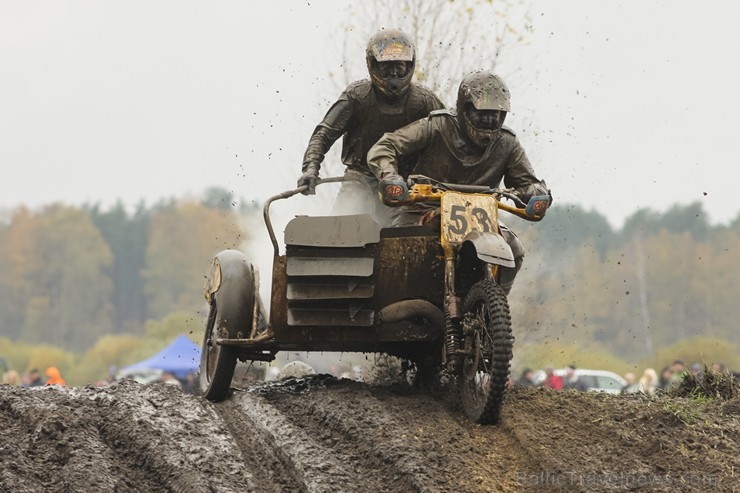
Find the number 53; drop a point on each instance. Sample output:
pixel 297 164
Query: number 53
pixel 459 215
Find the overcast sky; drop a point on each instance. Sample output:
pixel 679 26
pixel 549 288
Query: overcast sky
pixel 621 104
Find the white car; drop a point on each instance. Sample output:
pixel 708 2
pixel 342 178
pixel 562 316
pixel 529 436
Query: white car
pixel 597 380
pixel 142 376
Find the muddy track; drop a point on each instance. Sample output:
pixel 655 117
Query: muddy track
pixel 321 434
pixel 346 436
pixel 123 438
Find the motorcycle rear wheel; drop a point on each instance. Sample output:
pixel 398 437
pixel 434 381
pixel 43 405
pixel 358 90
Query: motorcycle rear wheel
pixel 217 363
pixel 489 342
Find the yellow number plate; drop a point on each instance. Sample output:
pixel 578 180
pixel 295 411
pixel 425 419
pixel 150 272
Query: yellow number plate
pixel 463 213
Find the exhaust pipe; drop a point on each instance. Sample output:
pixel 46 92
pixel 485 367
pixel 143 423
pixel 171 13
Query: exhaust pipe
pixel 404 310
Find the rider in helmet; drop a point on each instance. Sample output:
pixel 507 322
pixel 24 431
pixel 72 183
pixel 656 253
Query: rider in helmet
pixel 482 103
pixel 364 112
pixel 467 146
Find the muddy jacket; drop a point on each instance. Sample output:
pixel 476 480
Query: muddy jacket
pixel 362 117
pixel 445 155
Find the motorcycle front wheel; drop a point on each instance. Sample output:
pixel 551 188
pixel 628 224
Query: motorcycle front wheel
pixel 488 343
pixel 217 363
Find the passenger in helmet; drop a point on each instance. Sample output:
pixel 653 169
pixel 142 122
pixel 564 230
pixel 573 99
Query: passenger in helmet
pixel 391 60
pixel 363 113
pixel 469 146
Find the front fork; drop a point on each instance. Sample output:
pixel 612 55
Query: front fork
pixel 453 314
pixel 454 352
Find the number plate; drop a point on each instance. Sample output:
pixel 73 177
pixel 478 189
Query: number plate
pixel 463 213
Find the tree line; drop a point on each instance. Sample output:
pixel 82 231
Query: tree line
pixel 70 275
pixel 660 279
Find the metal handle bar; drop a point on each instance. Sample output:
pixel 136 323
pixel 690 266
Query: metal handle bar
pixel 519 210
pixel 414 179
pixel 285 195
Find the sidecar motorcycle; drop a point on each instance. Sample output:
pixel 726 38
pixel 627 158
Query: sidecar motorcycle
pixel 427 294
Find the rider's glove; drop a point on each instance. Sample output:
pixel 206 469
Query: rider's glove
pixel 392 189
pixel 538 204
pixel 309 178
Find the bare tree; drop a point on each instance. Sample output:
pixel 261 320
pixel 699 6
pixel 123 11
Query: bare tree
pixel 452 37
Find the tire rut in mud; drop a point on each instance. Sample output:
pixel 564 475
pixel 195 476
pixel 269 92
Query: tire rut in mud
pixel 392 439
pixel 125 437
pixel 320 434
pixel 270 468
pixel 53 456
pixel 177 440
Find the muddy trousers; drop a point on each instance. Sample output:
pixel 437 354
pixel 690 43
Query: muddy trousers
pixel 508 274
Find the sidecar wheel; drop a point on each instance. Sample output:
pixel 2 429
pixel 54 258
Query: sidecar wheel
pixel 488 338
pixel 217 363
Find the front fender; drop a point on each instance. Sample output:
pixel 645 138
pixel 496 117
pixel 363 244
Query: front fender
pixel 491 248
pixel 230 283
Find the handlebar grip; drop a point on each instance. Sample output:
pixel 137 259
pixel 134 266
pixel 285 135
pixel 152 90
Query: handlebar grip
pixel 538 205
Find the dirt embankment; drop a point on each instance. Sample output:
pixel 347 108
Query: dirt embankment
pixel 328 435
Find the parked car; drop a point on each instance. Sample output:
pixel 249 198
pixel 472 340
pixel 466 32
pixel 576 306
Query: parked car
pixel 598 380
pixel 140 375
pixel 595 380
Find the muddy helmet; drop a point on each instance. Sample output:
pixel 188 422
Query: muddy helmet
pixel 483 91
pixel 391 45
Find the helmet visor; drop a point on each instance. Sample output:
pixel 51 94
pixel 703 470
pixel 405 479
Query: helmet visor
pixel 391 50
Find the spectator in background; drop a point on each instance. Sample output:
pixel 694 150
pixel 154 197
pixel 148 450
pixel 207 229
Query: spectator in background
pixel 678 373
pixel 631 386
pixel 697 369
pixel 648 382
pixel 718 368
pixel 571 380
pixel 11 377
pixel 33 378
pixel 665 378
pixel 55 377
pixel 552 381
pixel 527 378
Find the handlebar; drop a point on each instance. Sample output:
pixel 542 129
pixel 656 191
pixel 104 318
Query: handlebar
pixel 422 188
pixel 425 189
pixel 285 195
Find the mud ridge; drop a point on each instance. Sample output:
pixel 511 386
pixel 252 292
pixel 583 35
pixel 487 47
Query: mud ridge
pixel 321 434
pixel 412 438
pixel 314 466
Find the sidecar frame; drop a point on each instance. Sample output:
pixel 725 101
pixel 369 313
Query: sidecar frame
pixel 343 284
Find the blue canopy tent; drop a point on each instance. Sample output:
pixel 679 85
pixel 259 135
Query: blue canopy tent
pixel 181 357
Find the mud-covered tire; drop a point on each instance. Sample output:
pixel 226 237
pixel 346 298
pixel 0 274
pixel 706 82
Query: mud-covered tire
pixel 217 363
pixel 487 333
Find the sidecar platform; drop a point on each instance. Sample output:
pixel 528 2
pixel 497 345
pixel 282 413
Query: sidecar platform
pixel 340 275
